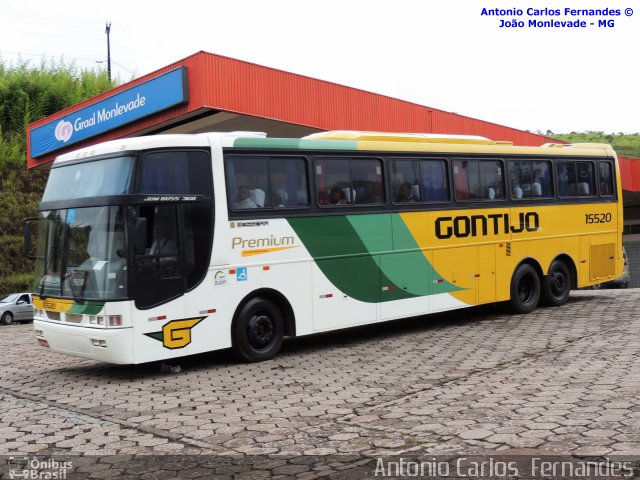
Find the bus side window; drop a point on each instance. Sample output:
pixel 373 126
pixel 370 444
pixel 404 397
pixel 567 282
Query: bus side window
pixel 530 179
pixel 576 179
pixel 605 174
pixel 460 179
pixel 478 179
pixel 566 178
pixel 266 182
pixel 586 179
pixel 434 181
pixel 288 182
pixel 366 177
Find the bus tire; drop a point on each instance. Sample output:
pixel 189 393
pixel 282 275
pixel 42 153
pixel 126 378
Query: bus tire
pixel 525 289
pixel 556 286
pixel 258 330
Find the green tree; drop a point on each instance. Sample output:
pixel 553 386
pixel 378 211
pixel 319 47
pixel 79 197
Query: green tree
pixel 28 93
pixel 627 145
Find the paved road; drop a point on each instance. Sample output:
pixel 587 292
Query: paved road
pixel 560 380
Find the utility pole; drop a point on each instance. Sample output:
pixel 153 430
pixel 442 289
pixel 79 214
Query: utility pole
pixel 107 31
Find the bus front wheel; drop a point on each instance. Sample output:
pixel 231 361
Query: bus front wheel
pixel 557 284
pixel 525 289
pixel 258 330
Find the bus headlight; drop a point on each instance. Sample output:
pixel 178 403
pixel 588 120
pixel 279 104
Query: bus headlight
pixel 96 320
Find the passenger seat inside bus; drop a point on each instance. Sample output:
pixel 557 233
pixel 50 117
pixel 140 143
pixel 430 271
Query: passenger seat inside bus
pixel 517 192
pixel 349 194
pixel 258 196
pixel 583 188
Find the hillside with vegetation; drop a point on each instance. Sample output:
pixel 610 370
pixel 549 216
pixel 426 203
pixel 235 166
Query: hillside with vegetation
pixel 626 145
pixel 28 93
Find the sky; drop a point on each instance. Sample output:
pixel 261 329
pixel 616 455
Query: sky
pixel 443 54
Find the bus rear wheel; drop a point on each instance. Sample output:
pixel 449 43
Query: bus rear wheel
pixel 258 330
pixel 556 286
pixel 525 289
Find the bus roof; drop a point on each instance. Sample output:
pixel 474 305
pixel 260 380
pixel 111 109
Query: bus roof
pixel 342 140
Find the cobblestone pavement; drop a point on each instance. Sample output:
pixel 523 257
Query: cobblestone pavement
pixel 562 380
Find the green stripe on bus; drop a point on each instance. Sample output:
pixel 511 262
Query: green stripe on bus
pixel 328 144
pixel 294 143
pixel 87 308
pixel 344 259
pixel 341 247
pixel 404 264
pixel 291 143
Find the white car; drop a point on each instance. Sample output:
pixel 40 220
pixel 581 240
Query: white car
pixel 16 307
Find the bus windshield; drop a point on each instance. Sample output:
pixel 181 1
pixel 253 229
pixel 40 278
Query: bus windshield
pixel 98 178
pixel 82 254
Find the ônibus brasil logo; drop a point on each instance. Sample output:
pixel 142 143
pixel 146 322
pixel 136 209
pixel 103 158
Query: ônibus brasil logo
pixel 64 130
pixel 176 333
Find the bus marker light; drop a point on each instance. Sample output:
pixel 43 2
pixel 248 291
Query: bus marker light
pixel 161 317
pixel 266 267
pixel 204 312
pixel 328 295
pixel 115 320
pixel 232 271
pixel 389 288
pixel 439 280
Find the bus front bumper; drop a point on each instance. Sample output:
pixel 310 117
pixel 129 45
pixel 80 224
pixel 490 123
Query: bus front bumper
pixel 111 345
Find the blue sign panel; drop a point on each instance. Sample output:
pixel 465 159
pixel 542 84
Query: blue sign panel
pixel 133 104
pixel 241 275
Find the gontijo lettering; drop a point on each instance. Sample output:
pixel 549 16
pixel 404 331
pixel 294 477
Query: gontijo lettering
pixel 483 225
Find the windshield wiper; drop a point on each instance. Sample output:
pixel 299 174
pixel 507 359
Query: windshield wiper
pixel 76 297
pixel 64 261
pixel 42 282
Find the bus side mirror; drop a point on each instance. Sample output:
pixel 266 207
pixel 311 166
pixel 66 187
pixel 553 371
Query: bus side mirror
pixel 29 236
pixel 140 236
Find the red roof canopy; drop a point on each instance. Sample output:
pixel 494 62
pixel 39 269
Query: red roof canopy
pixel 217 83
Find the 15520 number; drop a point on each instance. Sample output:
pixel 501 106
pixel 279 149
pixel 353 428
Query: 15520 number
pixel 597 218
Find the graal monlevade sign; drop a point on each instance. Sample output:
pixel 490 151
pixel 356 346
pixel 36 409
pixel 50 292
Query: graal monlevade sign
pixel 150 97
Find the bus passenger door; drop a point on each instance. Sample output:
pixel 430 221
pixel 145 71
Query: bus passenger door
pixel 158 261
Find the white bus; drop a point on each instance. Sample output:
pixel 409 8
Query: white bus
pixel 157 247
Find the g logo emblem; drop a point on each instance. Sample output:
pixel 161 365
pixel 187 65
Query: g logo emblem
pixel 176 333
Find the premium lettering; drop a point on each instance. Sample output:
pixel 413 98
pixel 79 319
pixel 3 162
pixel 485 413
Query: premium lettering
pixel 271 241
